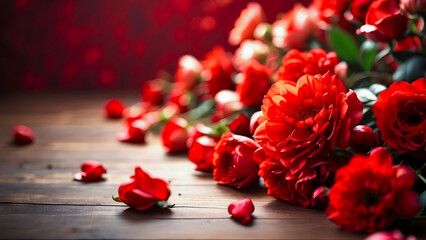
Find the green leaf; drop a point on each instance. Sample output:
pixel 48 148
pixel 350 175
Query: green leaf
pixel 117 199
pixel 344 45
pixel 369 50
pixel 164 204
pixel 411 70
pixel 365 95
pixel 422 201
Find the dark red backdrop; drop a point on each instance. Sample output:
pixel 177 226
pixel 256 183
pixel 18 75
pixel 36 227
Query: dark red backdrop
pixel 99 44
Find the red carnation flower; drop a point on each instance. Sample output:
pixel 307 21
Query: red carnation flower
pixel 384 22
pixel 114 108
pixel 255 84
pixel 295 64
pixel 304 119
pixel 245 25
pixel 233 161
pixel 201 153
pixel 369 193
pixel 217 70
pixel 90 171
pixel 401 117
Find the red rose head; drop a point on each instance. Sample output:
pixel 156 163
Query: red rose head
pixel 414 6
pixel 233 161
pixel 255 84
pixel 143 191
pixel 251 50
pixel 227 103
pixel 369 193
pixel 242 210
pixel 188 71
pixel 306 118
pixel 114 108
pixel 201 153
pixel 134 132
pixel 359 9
pixel 363 139
pixel 175 135
pixel 152 92
pixel 217 70
pixel 245 25
pixel 240 126
pixel 90 171
pixel 295 64
pixel 401 117
pixel 22 135
pixel 384 22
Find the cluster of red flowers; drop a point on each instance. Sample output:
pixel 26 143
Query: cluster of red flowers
pixel 296 124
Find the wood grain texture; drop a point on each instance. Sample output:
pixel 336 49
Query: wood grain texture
pixel 39 199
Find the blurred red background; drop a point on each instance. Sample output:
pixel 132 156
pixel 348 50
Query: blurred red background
pixel 103 44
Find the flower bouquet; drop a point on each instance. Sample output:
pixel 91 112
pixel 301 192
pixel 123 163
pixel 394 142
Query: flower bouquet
pixel 327 105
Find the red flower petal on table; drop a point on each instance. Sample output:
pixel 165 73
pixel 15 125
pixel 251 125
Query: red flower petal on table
pixel 90 171
pixel 22 135
pixel 201 153
pixel 233 161
pixel 401 117
pixel 246 23
pixel 369 193
pixel 143 191
pixel 114 108
pixel 133 132
pixel 175 135
pixel 240 126
pixel 254 85
pixel 242 210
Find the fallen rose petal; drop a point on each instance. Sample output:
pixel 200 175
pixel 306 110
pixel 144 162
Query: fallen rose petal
pixel 22 135
pixel 90 171
pixel 394 235
pixel 242 210
pixel 114 108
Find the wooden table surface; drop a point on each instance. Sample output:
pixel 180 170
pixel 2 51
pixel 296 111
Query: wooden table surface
pixel 39 199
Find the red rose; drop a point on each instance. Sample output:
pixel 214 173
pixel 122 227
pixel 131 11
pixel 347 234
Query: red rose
pixel 401 117
pixel 233 161
pixel 188 71
pixel 254 121
pixel 255 84
pixel 197 131
pixel 359 9
pixel 293 29
pixel 328 9
pixel 227 103
pixel 182 98
pixel 134 132
pixel 251 50
pixel 143 191
pixel 394 235
pixel 295 64
pixel 363 139
pixel 384 22
pixel 369 193
pixel 217 70
pixel 306 119
pixel 201 153
pixel 413 6
pixel 22 135
pixel 114 108
pixel 175 135
pixel 152 92
pixel 240 126
pixel 90 171
pixel 245 25
pixel 242 210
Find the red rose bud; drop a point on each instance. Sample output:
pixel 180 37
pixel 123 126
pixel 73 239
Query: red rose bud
pixel 246 23
pixel 369 194
pixel 22 135
pixel 394 235
pixel 363 139
pixel 182 98
pixel 233 161
pixel 414 6
pixel 384 22
pixel 401 117
pixel 217 70
pixel 134 132
pixel 152 92
pixel 188 71
pixel 255 84
pixel 254 121
pixel 320 197
pixel 242 210
pixel 227 103
pixel 359 9
pixel 114 108
pixel 240 126
pixel 198 130
pixel 143 191
pixel 201 153
pixel 90 171
pixel 250 50
pixel 175 135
